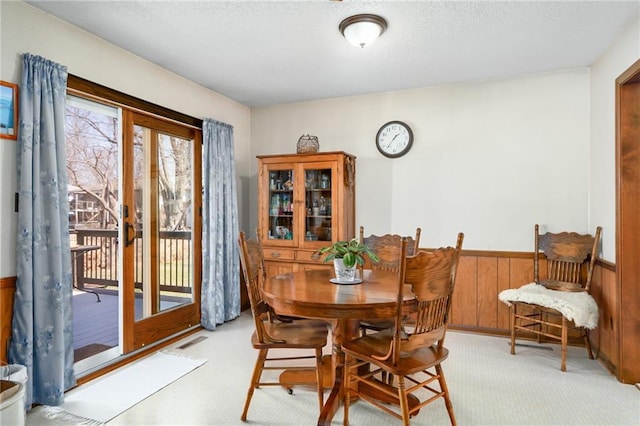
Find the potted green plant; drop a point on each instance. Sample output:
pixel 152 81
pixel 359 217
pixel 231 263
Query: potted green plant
pixel 346 255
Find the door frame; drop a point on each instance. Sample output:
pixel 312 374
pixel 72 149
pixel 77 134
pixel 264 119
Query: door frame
pixel 628 224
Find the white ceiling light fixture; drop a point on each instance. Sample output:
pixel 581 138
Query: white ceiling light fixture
pixel 362 30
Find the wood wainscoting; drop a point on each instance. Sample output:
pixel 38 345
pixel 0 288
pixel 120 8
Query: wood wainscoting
pixel 483 274
pixel 7 289
pixel 605 339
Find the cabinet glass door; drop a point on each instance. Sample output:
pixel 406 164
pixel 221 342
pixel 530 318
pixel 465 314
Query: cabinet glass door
pixel 281 202
pixel 318 220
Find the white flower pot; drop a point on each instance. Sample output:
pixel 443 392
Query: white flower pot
pixel 342 272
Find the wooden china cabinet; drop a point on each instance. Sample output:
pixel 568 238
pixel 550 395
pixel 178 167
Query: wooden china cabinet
pixel 305 202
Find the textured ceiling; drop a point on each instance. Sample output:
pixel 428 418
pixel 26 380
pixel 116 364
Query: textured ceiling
pixel 272 52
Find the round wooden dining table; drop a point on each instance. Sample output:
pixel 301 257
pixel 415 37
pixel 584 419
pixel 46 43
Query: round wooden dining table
pixel 311 294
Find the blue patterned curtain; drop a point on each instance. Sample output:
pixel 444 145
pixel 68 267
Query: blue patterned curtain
pixel 220 254
pixel 42 337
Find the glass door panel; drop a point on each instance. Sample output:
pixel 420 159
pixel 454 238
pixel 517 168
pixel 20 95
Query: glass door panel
pixel 281 205
pixel 163 192
pixel 93 139
pixel 174 239
pixel 318 184
pixel 142 136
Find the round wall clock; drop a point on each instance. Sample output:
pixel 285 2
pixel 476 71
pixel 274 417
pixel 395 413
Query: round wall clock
pixel 394 139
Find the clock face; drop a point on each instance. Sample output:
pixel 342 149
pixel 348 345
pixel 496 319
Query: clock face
pixel 394 139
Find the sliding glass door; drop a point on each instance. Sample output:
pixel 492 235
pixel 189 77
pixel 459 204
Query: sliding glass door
pixel 134 219
pixel 160 230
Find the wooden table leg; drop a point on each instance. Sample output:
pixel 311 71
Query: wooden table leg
pixel 342 330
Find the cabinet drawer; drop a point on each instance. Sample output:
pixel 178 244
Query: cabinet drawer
pixel 277 254
pixel 309 256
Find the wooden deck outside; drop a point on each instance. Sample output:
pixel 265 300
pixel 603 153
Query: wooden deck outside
pixel 95 268
pixel 95 324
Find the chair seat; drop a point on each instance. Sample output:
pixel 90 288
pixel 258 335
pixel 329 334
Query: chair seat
pixel 377 344
pixel 296 334
pixel 579 307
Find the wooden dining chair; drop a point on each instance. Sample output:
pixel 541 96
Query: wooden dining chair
pixel 387 248
pixel 413 351
pixel 257 264
pixel 558 300
pixel 270 333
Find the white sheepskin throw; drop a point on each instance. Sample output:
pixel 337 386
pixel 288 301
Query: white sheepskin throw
pixel 579 307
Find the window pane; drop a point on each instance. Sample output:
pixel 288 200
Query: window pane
pixel 163 176
pixel 92 136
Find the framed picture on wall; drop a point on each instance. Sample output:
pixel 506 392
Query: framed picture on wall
pixel 8 110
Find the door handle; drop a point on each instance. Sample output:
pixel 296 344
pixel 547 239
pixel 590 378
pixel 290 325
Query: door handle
pixel 127 227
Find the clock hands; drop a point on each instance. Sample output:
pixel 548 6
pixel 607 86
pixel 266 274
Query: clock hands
pixel 391 141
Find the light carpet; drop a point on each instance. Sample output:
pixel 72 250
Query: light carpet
pixel 99 402
pixel 488 385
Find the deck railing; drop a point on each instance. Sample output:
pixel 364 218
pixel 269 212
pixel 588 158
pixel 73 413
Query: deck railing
pixel 100 266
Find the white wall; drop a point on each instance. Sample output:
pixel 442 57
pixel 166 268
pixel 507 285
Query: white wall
pixel 26 29
pixel 602 209
pixel 490 159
